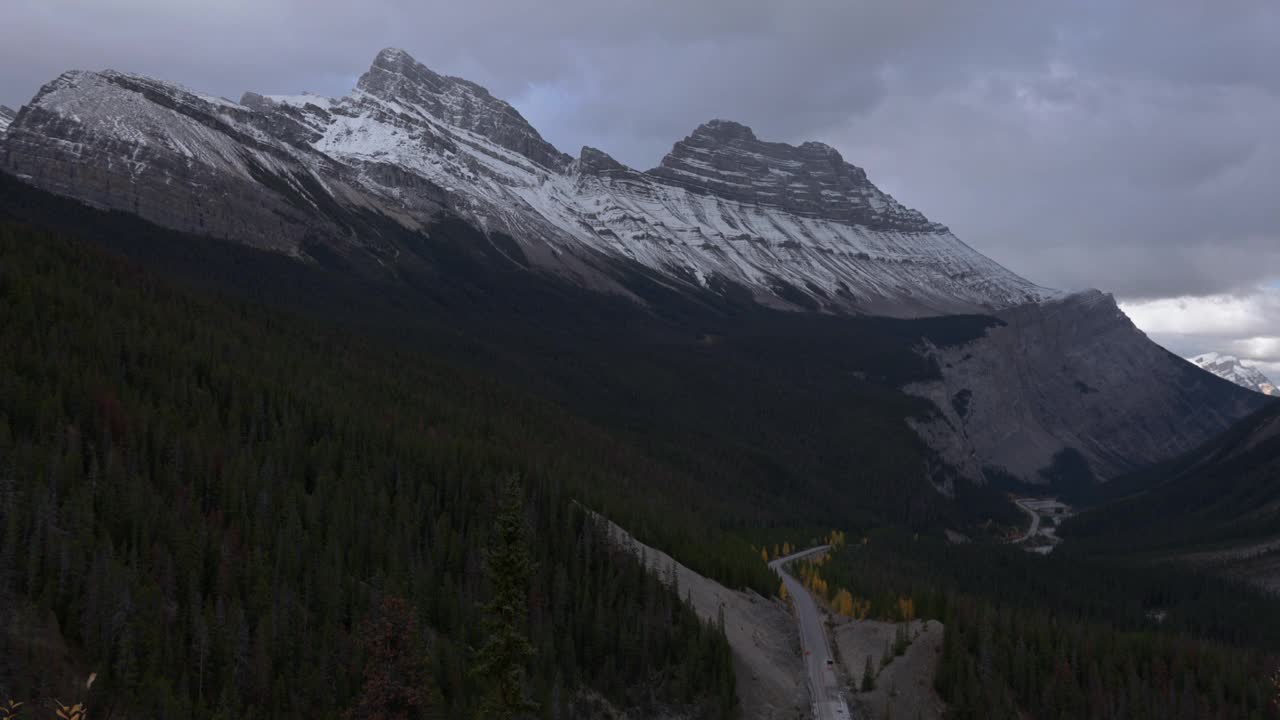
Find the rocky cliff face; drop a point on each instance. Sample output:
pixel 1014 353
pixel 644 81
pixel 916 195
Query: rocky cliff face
pixel 724 159
pixel 1069 389
pixel 796 226
pixel 7 115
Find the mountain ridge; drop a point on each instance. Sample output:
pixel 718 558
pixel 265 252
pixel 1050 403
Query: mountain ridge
pixel 795 226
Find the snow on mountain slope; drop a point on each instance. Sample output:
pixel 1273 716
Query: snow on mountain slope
pixel 796 226
pixel 799 224
pixel 1240 372
pixel 187 161
pixel 7 114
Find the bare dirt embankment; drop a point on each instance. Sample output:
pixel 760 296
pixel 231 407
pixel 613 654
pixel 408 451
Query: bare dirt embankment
pixel 1255 563
pixel 761 632
pixel 904 689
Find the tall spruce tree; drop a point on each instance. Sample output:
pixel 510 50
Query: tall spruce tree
pixel 500 664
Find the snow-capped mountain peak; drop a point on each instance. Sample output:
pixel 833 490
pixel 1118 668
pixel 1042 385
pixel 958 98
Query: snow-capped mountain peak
pixel 395 77
pixel 1239 371
pixel 795 226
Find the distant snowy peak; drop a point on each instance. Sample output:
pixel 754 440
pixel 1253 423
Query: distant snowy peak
pixel 795 227
pixel 1240 372
pixel 7 114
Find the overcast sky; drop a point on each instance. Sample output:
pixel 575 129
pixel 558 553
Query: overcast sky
pixel 1129 146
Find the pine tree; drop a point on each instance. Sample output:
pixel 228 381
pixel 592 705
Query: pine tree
pixel 500 664
pixel 395 675
pixel 868 676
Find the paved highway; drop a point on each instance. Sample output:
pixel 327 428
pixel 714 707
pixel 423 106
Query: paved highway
pixel 824 682
pixel 1035 520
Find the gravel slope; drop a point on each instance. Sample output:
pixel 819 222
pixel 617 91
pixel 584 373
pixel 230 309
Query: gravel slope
pixel 761 632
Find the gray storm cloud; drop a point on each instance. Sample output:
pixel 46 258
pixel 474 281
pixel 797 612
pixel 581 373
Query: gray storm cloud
pixel 1125 146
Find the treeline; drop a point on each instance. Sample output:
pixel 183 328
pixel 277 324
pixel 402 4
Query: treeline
pixel 204 504
pixel 1000 661
pixel 893 563
pixel 1066 637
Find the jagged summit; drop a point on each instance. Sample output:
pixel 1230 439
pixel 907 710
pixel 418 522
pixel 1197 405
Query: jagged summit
pixel 725 130
pixel 726 158
pixel 591 160
pixel 396 76
pixel 391 56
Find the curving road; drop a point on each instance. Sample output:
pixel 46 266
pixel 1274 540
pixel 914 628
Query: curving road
pixel 824 683
pixel 1035 520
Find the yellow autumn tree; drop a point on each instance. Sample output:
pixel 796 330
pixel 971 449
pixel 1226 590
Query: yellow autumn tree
pixel 906 609
pixel 861 608
pixel 764 554
pixel 843 603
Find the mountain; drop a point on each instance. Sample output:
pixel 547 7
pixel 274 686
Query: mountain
pixel 7 115
pixel 1068 391
pixel 310 176
pixel 1240 372
pixel 429 184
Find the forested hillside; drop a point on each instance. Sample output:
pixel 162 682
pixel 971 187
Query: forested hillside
pixel 1064 637
pixel 209 506
pixel 1225 493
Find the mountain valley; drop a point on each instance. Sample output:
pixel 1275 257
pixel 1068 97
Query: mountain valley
pixel 315 406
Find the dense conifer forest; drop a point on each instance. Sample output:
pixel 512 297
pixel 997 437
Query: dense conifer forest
pixel 213 508
pixel 1068 637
